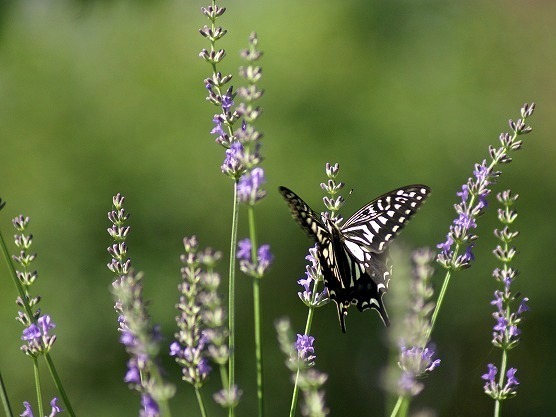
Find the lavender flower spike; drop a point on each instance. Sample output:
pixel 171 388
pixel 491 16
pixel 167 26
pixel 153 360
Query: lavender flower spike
pixel 474 193
pixel 506 333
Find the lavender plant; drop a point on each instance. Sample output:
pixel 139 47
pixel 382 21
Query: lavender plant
pixel 506 333
pixel 204 334
pixel 37 332
pixel 139 336
pixel 473 203
pixel 241 163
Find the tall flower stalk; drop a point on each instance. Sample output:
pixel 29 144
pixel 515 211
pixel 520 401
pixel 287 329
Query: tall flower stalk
pixel 232 166
pixel 250 186
pixel 36 335
pixel 241 163
pixel 506 333
pixel 473 203
pixel 139 336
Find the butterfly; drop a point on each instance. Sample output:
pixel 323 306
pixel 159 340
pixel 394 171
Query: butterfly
pixel 354 256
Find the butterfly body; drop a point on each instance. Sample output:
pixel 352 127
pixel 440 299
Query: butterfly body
pixel 354 256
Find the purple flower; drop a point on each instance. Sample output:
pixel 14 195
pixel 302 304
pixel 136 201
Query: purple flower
pixel 244 249
pixel 264 258
pixel 264 255
pixel 305 349
pixel 511 379
pixel 312 273
pixel 217 129
pixel 133 375
pixel 232 165
pixel 55 408
pixel 491 374
pixel 29 412
pixel 249 186
pixel 37 336
pixel 150 406
pixel 228 99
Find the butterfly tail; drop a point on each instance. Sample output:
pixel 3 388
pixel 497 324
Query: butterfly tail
pixel 382 311
pixel 342 314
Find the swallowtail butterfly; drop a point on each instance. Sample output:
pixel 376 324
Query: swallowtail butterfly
pixel 354 256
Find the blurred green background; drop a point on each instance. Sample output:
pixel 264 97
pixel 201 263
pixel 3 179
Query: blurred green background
pixel 105 97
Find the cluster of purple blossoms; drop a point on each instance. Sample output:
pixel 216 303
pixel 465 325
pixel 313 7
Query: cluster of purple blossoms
pixel 474 193
pixel 254 268
pixel 415 362
pixel 37 336
pixel 305 350
pixel 310 295
pixel 249 187
pixel 494 389
pixel 29 412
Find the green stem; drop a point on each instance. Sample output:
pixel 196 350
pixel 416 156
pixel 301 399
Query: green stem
pixel 5 401
pixel 401 407
pixel 29 312
pixel 59 385
pixel 38 385
pixel 257 313
pixel 501 381
pixel 440 300
pixel 231 297
pixel 224 376
pixel 200 402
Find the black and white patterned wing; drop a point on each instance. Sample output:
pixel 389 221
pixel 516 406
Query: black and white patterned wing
pixel 377 223
pixel 306 217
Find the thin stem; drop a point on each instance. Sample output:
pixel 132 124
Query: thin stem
pixel 200 401
pixel 224 375
pixel 501 381
pixel 257 314
pixel 401 407
pixel 231 297
pixel 59 385
pixel 397 406
pixel 5 401
pixel 440 300
pixel 38 385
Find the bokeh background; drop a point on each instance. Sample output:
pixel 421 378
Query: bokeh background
pixel 99 97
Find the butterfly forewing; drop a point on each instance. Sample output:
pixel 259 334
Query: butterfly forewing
pixel 377 223
pixel 305 217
